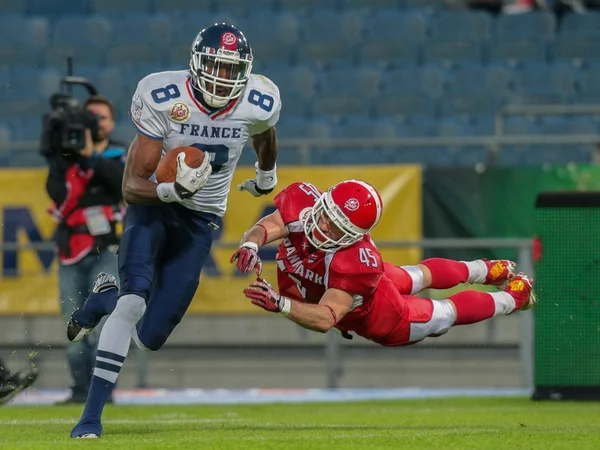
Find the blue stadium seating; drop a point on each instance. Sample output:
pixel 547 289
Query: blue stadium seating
pixel 13 6
pixel 56 8
pixel 461 25
pixel 118 7
pixel 345 68
pixel 539 25
pixel 580 25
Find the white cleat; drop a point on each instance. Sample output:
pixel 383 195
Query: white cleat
pixel 88 436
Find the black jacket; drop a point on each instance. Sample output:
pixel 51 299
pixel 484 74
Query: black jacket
pixel 104 188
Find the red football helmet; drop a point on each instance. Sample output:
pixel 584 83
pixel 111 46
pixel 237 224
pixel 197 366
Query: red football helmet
pixel 354 206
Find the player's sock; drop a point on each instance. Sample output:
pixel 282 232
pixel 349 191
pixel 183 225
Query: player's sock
pixel 97 305
pixel 474 306
pixel 113 346
pixel 447 273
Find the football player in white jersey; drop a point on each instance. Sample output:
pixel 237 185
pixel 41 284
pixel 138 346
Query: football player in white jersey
pixel 217 106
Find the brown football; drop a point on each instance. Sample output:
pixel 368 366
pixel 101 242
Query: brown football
pixel 166 171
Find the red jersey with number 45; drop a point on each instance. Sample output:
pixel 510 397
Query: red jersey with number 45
pixel 305 273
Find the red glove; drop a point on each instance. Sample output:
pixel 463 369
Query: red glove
pixel 262 294
pixel 247 258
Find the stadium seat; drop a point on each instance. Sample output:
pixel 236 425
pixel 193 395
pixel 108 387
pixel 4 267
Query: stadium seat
pixel 452 52
pixel 588 80
pixel 150 30
pixel 134 53
pixel 268 51
pixel 296 104
pixel 339 105
pixel 404 105
pixel 298 80
pixel 515 52
pixel 185 27
pixel 295 127
pixel 330 24
pixel 473 104
pixel 511 155
pixel 544 79
pixel 427 5
pixel 469 156
pixel 555 154
pixel 26 158
pixel 582 125
pixel 388 52
pixel 324 52
pixel 124 131
pixel 375 4
pixel 584 48
pixel 362 127
pixel 416 125
pixel 362 82
pixel 31 83
pixel 56 8
pixel 305 5
pixel 13 6
pixel 395 24
pixel 521 125
pixel 120 6
pixel 428 81
pixel 283 28
pixel 478 80
pixel 85 39
pixel 535 25
pixel 477 125
pixel 26 129
pixel 30 33
pixel 461 25
pixel 554 124
pixel 243 6
pixel 580 25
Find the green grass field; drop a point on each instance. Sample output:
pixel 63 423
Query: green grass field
pixel 511 423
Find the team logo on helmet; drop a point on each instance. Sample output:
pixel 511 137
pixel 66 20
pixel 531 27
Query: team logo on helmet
pixel 229 41
pixel 351 204
pixel 179 112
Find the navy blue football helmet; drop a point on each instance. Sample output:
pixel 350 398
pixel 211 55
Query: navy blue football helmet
pixel 220 63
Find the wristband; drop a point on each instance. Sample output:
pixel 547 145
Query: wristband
pixel 266 179
pixel 166 193
pixel 286 305
pixel 251 245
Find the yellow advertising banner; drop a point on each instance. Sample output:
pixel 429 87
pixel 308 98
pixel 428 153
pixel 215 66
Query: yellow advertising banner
pixel 28 280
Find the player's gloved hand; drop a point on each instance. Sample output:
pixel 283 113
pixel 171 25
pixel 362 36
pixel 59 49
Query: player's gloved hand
pixel 188 181
pixel 263 184
pixel 262 294
pixel 247 258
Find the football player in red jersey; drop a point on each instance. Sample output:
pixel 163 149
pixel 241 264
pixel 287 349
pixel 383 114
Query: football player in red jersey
pixel 331 274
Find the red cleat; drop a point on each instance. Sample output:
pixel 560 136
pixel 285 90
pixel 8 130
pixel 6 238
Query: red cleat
pixel 521 289
pixel 500 271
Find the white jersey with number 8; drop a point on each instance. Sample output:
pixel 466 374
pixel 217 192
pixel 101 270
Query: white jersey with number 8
pixel 164 107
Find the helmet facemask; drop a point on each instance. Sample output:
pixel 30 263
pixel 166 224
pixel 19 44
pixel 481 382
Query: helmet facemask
pixel 326 205
pixel 207 66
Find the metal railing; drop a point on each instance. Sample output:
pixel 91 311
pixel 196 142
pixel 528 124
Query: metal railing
pixel 305 146
pixel 333 350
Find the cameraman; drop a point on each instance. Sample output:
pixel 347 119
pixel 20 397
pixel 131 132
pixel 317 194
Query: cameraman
pixel 85 186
